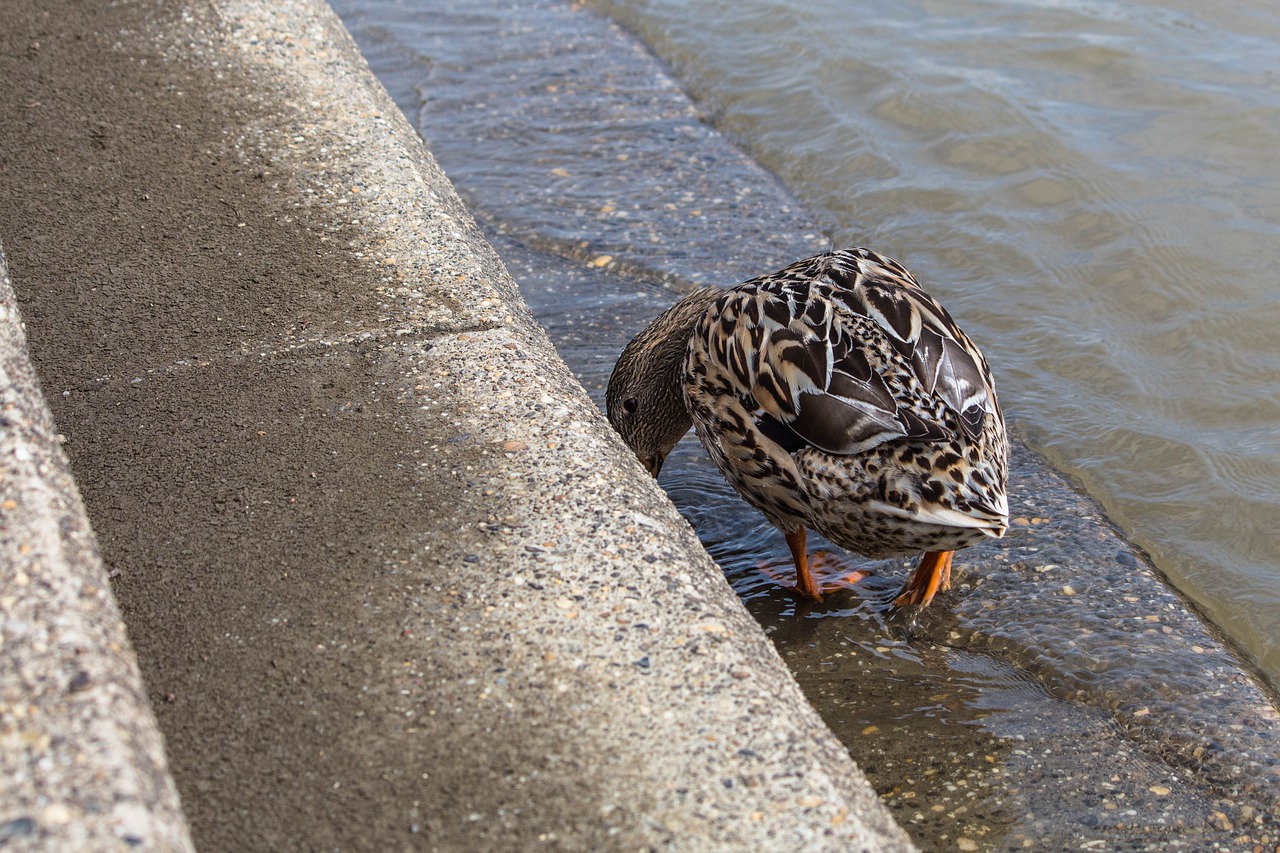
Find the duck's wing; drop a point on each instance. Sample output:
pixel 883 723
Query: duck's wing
pixel 798 341
pixel 943 358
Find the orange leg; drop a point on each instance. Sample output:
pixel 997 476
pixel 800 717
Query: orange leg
pixel 806 584
pixel 932 576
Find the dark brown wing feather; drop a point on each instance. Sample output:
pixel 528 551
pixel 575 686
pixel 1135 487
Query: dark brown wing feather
pixel 807 363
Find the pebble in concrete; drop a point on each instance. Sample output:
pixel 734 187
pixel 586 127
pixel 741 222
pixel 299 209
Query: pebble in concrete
pixel 82 764
pixel 392 579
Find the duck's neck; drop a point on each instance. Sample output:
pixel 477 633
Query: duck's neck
pixel 671 332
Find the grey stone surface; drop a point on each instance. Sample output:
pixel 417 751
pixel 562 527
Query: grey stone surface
pixel 82 763
pixel 392 581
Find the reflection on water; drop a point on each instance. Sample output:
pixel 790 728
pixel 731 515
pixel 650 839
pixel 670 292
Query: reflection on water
pixel 1093 188
pixel 1061 695
pixel 1060 681
pixel 753 553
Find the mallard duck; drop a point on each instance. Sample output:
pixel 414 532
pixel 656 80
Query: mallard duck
pixel 834 395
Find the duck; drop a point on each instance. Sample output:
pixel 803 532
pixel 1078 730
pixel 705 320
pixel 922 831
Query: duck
pixel 834 395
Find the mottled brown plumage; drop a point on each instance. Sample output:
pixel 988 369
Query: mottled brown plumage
pixel 834 395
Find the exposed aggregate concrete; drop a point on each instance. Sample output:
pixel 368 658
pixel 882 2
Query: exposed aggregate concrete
pixel 82 763
pixel 392 581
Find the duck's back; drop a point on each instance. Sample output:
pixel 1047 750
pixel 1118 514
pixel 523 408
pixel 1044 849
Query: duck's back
pixel 836 394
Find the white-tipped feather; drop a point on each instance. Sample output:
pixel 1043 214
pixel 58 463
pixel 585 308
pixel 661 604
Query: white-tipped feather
pixel 942 516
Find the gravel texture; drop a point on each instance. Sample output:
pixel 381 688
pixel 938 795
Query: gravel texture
pixel 392 581
pixel 82 763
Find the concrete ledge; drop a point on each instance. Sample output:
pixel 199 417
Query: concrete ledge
pixel 82 764
pixel 392 580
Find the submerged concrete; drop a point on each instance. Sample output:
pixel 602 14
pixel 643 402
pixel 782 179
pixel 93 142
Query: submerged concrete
pixel 392 581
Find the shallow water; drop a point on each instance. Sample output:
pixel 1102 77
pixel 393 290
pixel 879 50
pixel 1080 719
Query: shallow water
pixel 1093 188
pixel 1063 685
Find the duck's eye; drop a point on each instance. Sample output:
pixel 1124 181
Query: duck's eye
pixel 630 405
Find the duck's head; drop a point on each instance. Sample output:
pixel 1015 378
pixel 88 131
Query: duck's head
pixel 644 400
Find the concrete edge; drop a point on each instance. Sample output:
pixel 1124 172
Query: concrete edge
pixel 306 52
pixel 82 763
pixel 92 772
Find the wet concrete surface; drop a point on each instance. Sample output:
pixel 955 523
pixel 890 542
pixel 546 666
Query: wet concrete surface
pixel 1062 695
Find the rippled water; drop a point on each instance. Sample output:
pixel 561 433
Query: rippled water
pixel 1093 188
pixel 1062 687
